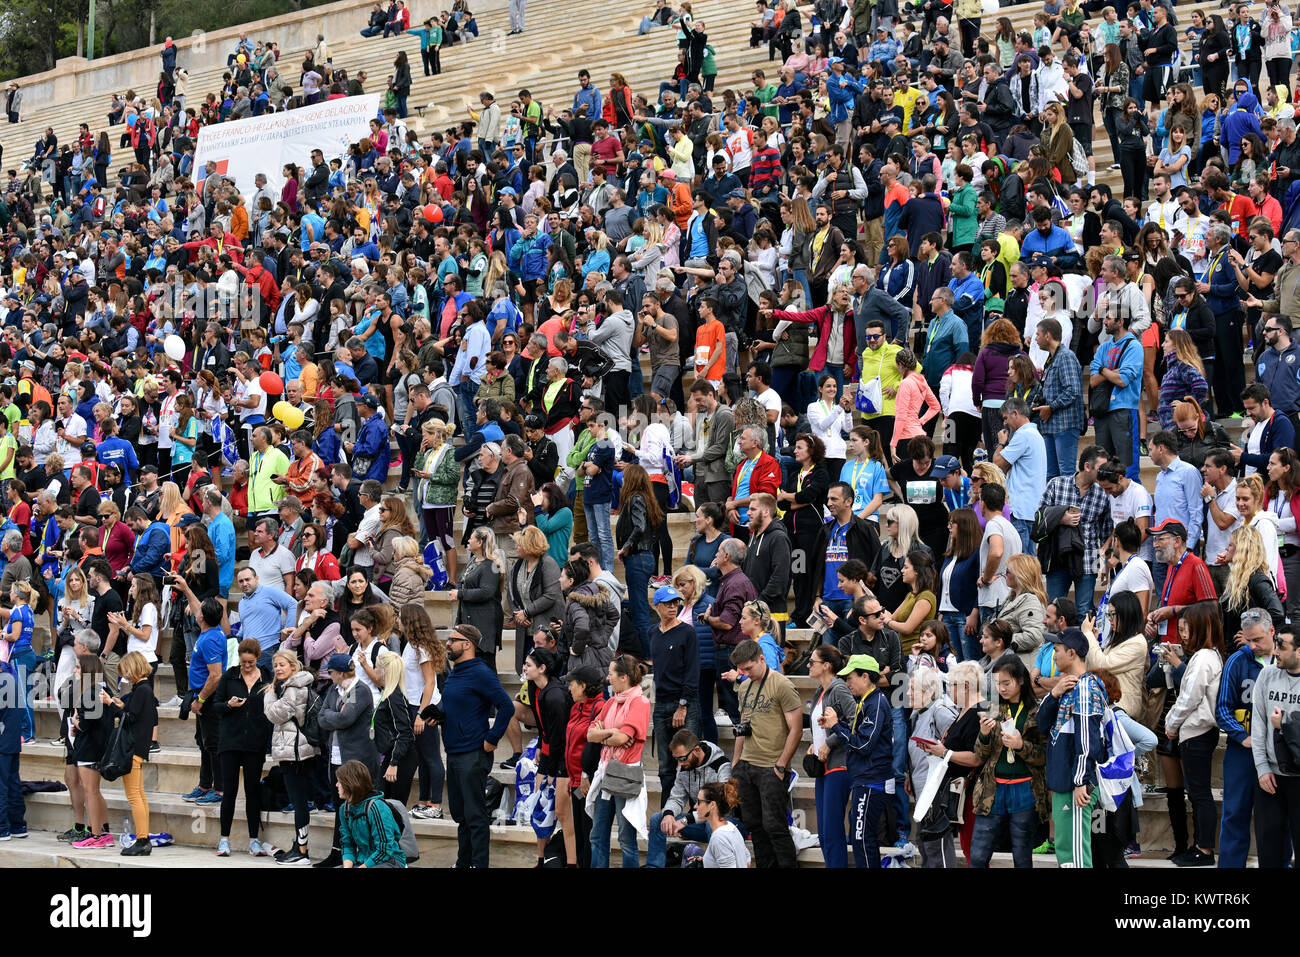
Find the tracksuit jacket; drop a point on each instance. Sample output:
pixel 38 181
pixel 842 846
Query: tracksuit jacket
pixel 869 737
pixel 1075 744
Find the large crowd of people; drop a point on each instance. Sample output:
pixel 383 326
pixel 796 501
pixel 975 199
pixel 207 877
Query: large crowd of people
pixel 938 586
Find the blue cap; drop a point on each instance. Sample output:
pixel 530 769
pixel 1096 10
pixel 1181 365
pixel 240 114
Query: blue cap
pixel 666 593
pixel 735 194
pixel 944 466
pixel 834 60
pixel 507 189
pixel 339 662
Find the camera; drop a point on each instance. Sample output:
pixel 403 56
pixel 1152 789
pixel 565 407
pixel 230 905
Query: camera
pixel 743 729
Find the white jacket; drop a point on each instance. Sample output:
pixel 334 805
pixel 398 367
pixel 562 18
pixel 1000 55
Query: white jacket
pixel 829 426
pixel 955 392
pixel 1193 712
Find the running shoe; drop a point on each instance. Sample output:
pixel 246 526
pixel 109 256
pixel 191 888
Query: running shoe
pixel 223 847
pixel 1047 847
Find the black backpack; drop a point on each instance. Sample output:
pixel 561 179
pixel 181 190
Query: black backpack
pixel 310 726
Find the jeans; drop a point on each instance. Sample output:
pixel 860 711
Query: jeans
pixel 1085 587
pixel 601 824
pixel 467 774
pixel 599 531
pixel 1062 453
pixel 466 389
pixel 12 805
pixel 900 772
pixel 1023 525
pixel 764 808
pixel 1197 757
pixel 1013 806
pixel 832 793
pixel 961 643
pixel 665 707
pixel 868 811
pixel 26 665
pixel 657 854
pixel 432 774
pixel 639 566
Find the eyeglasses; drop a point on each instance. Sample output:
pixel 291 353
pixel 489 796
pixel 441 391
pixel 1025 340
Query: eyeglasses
pixel 873 337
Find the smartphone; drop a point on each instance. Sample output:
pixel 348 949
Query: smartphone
pixel 923 741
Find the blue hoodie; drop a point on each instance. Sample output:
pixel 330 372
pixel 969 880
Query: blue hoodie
pixel 471 690
pixel 1241 119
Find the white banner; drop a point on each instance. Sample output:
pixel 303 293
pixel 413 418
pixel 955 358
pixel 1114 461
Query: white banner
pixel 263 144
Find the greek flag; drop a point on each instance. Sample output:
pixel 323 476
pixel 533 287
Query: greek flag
pixel 1115 776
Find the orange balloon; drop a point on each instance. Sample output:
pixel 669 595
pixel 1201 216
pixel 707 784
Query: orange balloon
pixel 433 213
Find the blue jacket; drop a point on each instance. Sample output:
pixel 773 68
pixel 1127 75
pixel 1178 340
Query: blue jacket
pixel 1235 685
pixel 921 215
pixel 222 534
pixel 968 302
pixel 1279 433
pixel 373 441
pixel 1055 243
pixel 530 254
pixel 471 691
pixel 1280 371
pixel 946 340
pixel 869 737
pixel 152 550
pixel 1224 297
pixel 704 632
pixel 842 90
pixel 1239 121
pixel 962 591
pixel 1124 354
pixel 1072 755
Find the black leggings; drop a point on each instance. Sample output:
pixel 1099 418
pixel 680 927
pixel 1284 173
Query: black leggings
pixel 663 544
pixel 1133 167
pixel 1197 757
pixel 401 788
pixel 250 762
pixel 298 782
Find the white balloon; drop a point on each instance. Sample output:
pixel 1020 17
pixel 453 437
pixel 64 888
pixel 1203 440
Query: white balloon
pixel 174 346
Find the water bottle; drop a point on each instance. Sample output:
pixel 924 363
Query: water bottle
pixel 126 837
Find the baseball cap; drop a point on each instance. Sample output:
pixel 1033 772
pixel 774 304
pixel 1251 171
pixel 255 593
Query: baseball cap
pixel 339 662
pixel 1038 259
pixel 944 466
pixel 1170 526
pixel 151 469
pixel 1132 256
pixel 87 448
pixel 666 593
pixel 1073 639
pixel 735 194
pixel 370 400
pixel 834 60
pixel 860 663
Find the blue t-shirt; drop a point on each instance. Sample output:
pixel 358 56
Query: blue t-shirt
pixel 867 478
pixel 209 649
pixel 837 553
pixel 22 613
pixel 1027 478
pixel 958 498
pixel 183 454
pixel 1045 662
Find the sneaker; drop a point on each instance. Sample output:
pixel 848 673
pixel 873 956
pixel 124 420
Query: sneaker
pixel 18 832
pixel 223 847
pixel 293 856
pixel 210 797
pixel 154 747
pixel 173 702
pixel 426 812
pixel 1177 857
pixel 194 795
pixel 660 581
pixel 4 837
pixel 333 859
pixel 1113 166
pixel 138 849
pixel 721 718
pixel 73 834
pixel 1133 850
pixel 1143 448
pixel 1047 847
pixel 902 843
pixel 256 848
pixel 94 842
pixel 1196 858
pixel 435 813
pixel 1236 415
pixel 28 740
pixel 509 763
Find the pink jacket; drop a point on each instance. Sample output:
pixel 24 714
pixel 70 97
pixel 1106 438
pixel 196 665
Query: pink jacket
pixel 822 318
pixel 913 391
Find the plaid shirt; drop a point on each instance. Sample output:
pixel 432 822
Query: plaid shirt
pixel 1095 514
pixel 1063 391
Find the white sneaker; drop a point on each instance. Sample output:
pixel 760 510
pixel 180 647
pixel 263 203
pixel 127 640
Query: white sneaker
pixel 427 812
pixel 173 702
pixel 721 717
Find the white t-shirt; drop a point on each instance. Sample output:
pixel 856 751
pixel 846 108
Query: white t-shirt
pixel 147 647
pixel 1037 354
pixel 376 660
pixel 1134 576
pixel 415 677
pixel 1253 441
pixel 367 528
pixel 996 592
pixel 253 390
pixel 1216 539
pixel 167 419
pixel 1134 503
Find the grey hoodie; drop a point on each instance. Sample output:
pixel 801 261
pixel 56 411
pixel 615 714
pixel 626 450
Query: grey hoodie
pixel 716 768
pixel 614 337
pixel 1274 688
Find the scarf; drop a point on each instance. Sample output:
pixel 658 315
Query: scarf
pixel 619 706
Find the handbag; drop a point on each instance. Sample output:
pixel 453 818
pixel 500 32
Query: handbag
pixel 870 397
pixel 1099 395
pixel 119 756
pixel 622 780
pixel 813 766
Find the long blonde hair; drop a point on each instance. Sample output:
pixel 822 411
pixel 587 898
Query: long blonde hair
pixel 906 527
pixel 394 676
pixel 170 498
pixel 1185 349
pixel 492 551
pixel 1027 573
pixel 1247 559
pixel 989 472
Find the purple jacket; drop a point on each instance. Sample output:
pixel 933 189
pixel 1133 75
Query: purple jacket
pixel 989 376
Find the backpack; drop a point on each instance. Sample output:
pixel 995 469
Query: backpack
pixel 41 600
pixel 310 727
pixel 407 842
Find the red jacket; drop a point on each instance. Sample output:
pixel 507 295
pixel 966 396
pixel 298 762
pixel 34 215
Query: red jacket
pixel 764 477
pixel 607 109
pixel 229 243
pixel 580 717
pixel 258 276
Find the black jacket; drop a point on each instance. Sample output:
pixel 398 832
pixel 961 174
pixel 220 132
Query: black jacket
pixel 1060 546
pixel 243 728
pixel 394 731
pixel 317 183
pixel 862 540
pixel 767 565
pixel 140 705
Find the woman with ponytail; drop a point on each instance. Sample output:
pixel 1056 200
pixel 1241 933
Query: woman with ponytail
pixel 1198 435
pixel 714 802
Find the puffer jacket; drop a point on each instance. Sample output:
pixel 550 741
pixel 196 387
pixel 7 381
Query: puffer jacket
pixel 1025 614
pixel 409 580
pixel 286 702
pixel 591 614
pixel 1033 754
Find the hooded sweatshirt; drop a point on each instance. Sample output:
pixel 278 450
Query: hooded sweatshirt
pixel 1241 119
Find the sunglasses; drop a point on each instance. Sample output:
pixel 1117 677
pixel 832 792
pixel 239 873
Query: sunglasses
pixel 873 338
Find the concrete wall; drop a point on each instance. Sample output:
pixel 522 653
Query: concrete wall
pixel 77 77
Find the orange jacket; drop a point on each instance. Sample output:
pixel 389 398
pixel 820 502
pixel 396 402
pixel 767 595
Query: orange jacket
pixel 680 202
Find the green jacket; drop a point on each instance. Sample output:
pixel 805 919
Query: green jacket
pixel 961 213
pixel 558 529
pixel 765 95
pixel 581 446
pixel 369 834
pixel 441 488
pixel 428 38
pixel 708 68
